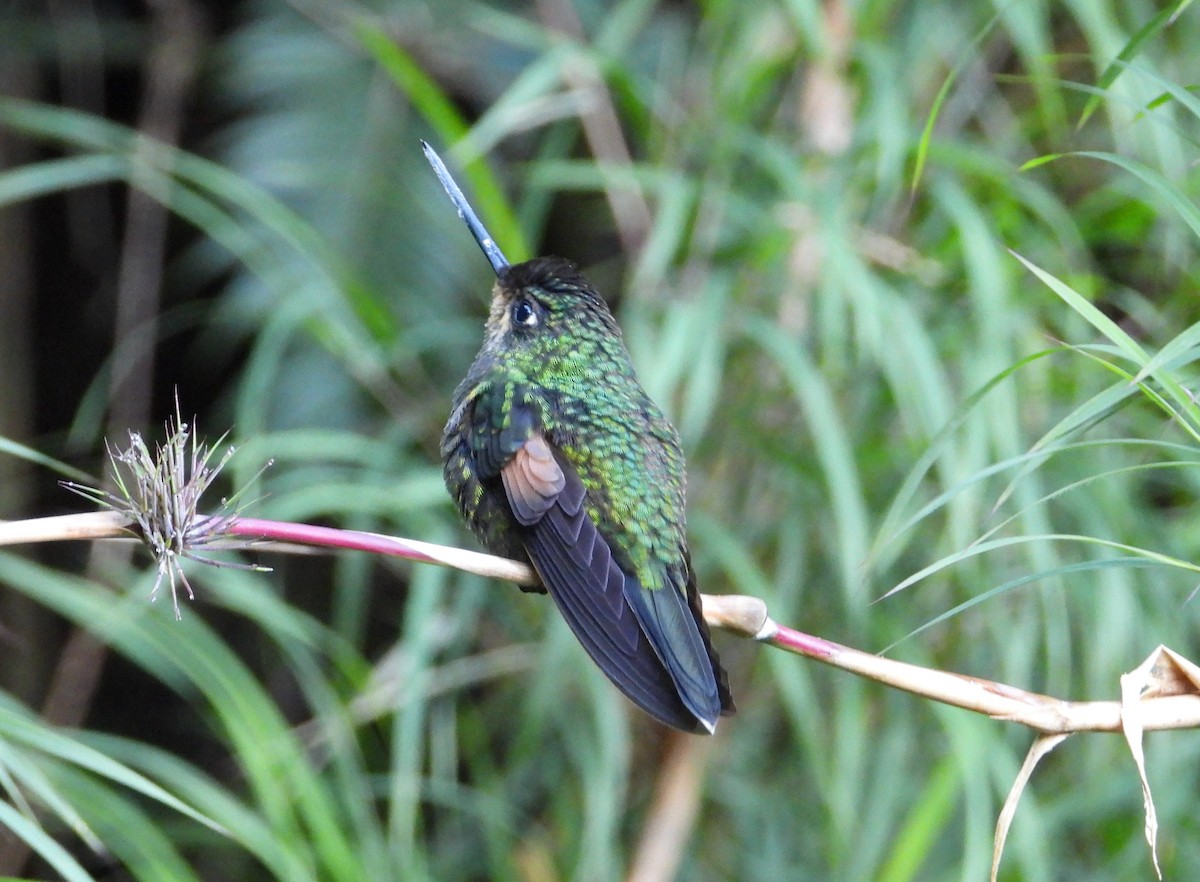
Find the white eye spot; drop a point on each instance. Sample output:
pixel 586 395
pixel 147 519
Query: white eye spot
pixel 524 313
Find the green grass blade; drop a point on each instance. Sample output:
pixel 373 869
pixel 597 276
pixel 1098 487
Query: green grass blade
pixel 969 55
pixel 21 451
pixel 990 545
pixel 1128 52
pixel 44 846
pixel 55 175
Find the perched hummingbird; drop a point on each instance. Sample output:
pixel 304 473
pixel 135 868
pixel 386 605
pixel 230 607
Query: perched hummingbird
pixel 556 456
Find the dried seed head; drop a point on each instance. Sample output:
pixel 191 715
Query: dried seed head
pixel 161 493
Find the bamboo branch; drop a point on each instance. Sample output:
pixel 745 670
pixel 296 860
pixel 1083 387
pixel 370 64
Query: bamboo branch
pixel 742 615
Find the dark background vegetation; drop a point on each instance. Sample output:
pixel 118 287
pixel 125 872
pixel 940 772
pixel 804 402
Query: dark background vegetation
pixel 817 287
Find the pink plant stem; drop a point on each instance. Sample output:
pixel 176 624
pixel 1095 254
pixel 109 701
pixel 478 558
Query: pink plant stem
pixel 972 693
pixel 410 549
pixel 325 537
pixel 805 644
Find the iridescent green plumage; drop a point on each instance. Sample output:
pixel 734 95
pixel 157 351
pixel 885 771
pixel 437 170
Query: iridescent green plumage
pixel 555 455
pixel 575 374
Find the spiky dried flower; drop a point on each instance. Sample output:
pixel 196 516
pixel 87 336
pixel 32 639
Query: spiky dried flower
pixel 161 493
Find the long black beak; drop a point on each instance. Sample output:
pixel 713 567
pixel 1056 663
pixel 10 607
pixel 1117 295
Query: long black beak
pixel 490 249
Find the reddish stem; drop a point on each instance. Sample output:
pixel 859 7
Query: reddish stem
pixel 805 644
pixel 328 537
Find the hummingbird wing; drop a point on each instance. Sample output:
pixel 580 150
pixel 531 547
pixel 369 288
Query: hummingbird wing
pixel 647 642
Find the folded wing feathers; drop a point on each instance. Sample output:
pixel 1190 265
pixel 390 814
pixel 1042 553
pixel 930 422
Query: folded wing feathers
pixel 589 588
pixel 533 481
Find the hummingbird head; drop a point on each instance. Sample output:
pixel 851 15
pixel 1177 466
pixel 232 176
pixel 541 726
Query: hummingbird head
pixel 544 305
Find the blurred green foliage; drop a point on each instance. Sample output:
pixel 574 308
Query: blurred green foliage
pixel 812 252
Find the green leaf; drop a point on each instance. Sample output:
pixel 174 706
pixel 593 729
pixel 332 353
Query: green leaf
pixel 1128 52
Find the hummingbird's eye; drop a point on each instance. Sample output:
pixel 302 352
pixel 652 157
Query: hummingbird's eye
pixel 524 313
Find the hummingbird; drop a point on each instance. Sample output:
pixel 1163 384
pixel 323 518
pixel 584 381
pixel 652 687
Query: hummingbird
pixel 557 457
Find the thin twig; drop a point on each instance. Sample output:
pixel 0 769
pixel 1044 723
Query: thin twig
pixel 89 525
pixel 736 614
